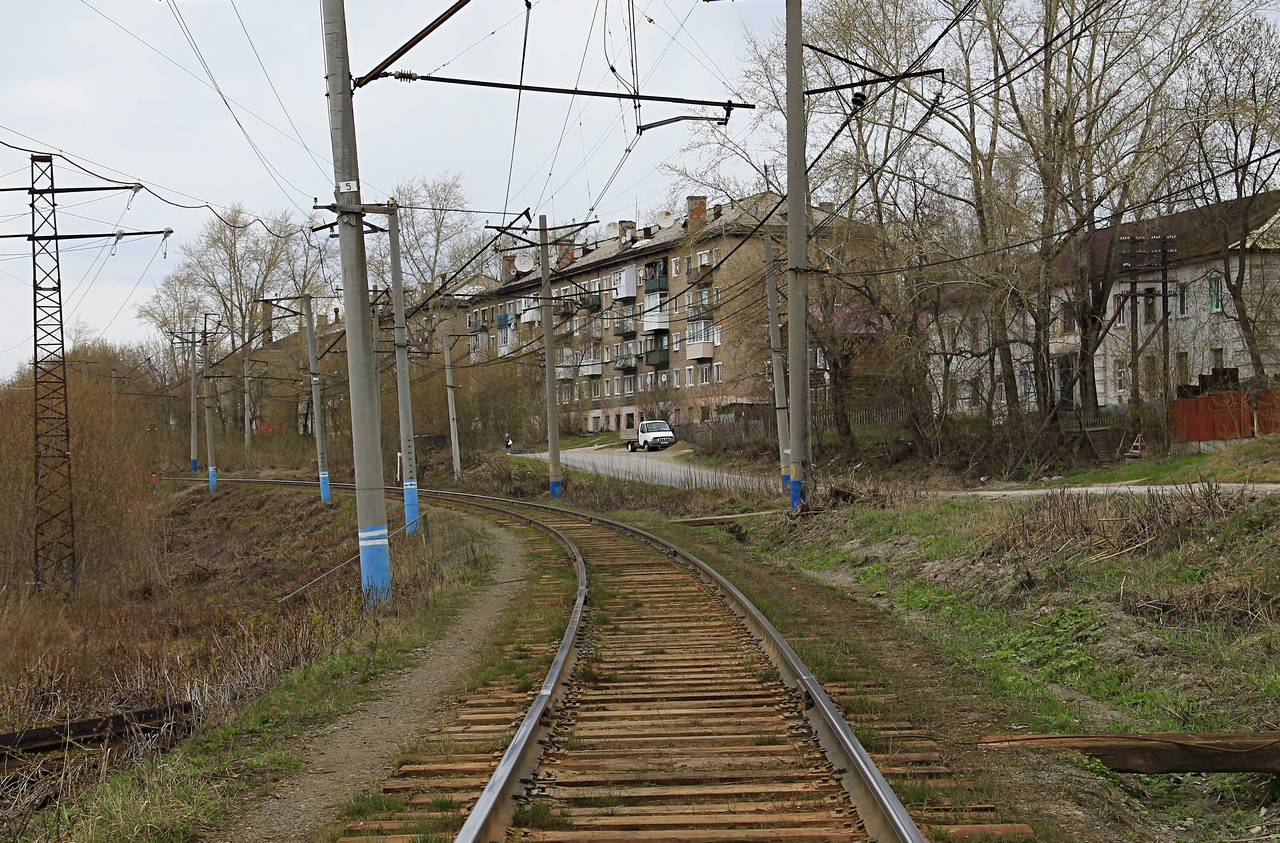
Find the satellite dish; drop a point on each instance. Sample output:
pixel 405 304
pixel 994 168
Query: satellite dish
pixel 611 230
pixel 524 261
pixel 666 219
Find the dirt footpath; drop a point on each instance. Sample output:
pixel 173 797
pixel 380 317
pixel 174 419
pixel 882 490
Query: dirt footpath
pixel 359 750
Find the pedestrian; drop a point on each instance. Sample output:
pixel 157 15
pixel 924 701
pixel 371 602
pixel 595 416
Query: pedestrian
pixel 155 483
pixel 507 441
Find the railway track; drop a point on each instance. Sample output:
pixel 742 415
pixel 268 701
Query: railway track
pixel 672 711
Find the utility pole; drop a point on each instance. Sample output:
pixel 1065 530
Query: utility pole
pixel 779 367
pixel 408 458
pixel 195 425
pixel 797 256
pixel 548 344
pixel 1135 396
pixel 1165 251
pixel 211 459
pixel 453 409
pixel 317 400
pixel 366 447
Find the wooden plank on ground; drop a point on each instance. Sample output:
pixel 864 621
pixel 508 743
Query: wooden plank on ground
pixel 1219 752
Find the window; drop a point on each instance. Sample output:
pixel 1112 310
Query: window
pixel 649 379
pixel 1149 305
pixel 617 385
pixel 675 341
pixel 629 385
pixel 719 372
pixel 675 304
pixel 1182 368
pixel 607 354
pixel 1122 377
pixel 717 339
pixel 608 388
pixel 704 374
pixel 675 378
pixel 715 291
pixel 595 389
pixel 1219 358
pixel 662 380
pixel 1120 302
pixel 688 376
pixel 675 267
pixel 715 255
pixel 1182 300
pixel 704 258
pixel 1215 293
pixel 688 300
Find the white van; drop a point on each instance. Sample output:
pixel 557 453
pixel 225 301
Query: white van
pixel 652 436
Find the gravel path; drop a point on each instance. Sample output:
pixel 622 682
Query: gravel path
pixel 359 750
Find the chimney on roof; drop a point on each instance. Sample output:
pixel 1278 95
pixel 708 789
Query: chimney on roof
pixel 626 231
pixel 697 210
pixel 567 256
pixel 715 211
pixel 336 317
pixel 508 267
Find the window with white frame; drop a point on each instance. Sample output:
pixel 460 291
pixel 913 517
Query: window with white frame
pixel 608 388
pixel 704 374
pixel 1119 311
pixel 717 335
pixel 650 379
pixel 662 379
pixel 617 385
pixel 675 304
pixel 608 354
pixel 675 341
pixel 704 258
pixel 629 385
pixel 1215 293
pixel 595 388
pixel 675 378
pixel 719 372
pixel 699 332
pixel 715 293
pixel 688 375
pixel 675 267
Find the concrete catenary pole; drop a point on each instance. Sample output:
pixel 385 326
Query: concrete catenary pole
pixel 779 367
pixel 195 412
pixel 453 407
pixel 366 438
pixel 408 459
pixel 548 344
pixel 211 458
pixel 317 400
pixel 797 255
pixel 248 423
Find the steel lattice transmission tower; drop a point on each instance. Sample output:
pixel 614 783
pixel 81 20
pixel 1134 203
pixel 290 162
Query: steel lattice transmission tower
pixel 55 535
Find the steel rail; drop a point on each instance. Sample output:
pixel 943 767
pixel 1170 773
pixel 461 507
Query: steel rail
pixel 882 812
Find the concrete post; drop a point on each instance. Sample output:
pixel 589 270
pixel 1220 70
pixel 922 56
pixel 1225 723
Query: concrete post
pixel 366 438
pixel 779 366
pixel 317 400
pixel 453 408
pixel 797 255
pixel 211 459
pixel 195 426
pixel 548 344
pixel 408 458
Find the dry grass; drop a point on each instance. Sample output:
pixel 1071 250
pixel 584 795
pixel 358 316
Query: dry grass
pixel 1065 524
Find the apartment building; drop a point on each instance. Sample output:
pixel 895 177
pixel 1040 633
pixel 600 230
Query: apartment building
pixel 659 321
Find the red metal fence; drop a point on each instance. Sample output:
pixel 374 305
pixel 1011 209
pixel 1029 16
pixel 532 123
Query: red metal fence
pixel 1226 415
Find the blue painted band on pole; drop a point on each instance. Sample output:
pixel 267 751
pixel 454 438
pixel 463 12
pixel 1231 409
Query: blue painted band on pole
pixel 324 486
pixel 786 482
pixel 213 479
pixel 375 563
pixel 195 465
pixel 556 488
pixel 411 511
pixel 797 494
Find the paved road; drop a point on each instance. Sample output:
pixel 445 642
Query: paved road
pixel 663 468
pixel 659 467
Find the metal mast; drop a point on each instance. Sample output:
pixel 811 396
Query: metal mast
pixel 797 257
pixel 55 535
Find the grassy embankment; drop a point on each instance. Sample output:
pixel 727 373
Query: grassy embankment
pixel 205 625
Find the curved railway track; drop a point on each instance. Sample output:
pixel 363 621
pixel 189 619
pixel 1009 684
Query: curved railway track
pixel 672 711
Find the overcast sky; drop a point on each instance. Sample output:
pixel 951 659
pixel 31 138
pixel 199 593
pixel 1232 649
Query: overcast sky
pixel 116 85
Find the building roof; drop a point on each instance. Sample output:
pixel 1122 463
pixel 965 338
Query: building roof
pixel 1200 232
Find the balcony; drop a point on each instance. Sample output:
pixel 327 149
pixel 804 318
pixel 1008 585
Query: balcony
pixel 591 369
pixel 699 350
pixel 700 275
pixel 531 315
pixel 659 357
pixel 699 312
pixel 590 302
pixel 657 284
pixel 625 362
pixel 656 320
pixel 479 327
pixel 564 373
pixel 624 326
pixel 504 320
pixel 624 283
